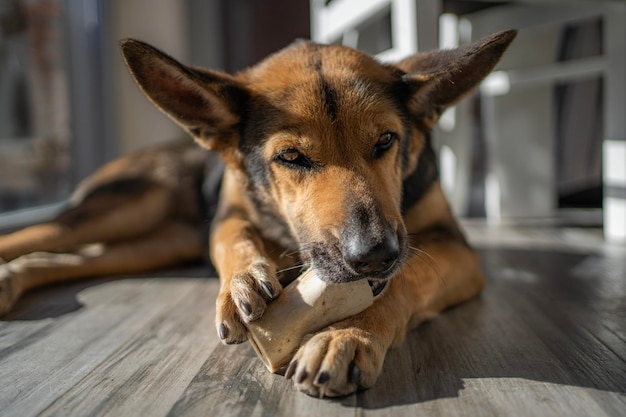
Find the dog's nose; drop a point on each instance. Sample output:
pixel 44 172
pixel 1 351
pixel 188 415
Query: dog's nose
pixel 367 258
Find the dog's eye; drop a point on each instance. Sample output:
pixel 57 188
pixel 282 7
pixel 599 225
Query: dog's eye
pixel 384 143
pixel 290 155
pixel 293 159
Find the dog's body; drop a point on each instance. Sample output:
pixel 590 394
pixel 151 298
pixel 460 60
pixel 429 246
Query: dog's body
pixel 328 165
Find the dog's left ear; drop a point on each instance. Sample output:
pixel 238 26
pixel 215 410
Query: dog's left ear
pixel 438 79
pixel 207 104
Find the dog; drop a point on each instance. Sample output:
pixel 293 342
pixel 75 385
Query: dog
pixel 320 157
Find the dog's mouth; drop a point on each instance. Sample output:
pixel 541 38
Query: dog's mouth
pixel 377 286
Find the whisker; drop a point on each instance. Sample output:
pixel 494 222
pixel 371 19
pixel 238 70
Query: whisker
pixel 289 254
pixel 401 277
pixel 425 254
pixel 428 260
pixel 302 249
pixel 291 268
pixel 411 266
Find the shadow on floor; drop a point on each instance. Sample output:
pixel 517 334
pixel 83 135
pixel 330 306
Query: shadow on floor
pixel 545 316
pixel 55 300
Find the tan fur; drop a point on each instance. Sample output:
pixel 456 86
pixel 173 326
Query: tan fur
pixel 328 166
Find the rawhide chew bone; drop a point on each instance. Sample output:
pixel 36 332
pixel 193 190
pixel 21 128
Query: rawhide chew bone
pixel 306 305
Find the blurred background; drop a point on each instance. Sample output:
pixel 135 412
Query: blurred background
pixel 543 139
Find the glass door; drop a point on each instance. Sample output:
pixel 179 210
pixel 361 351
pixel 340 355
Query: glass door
pixel 35 163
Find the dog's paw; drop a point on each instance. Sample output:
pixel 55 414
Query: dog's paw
pixel 336 362
pixel 244 299
pixel 9 290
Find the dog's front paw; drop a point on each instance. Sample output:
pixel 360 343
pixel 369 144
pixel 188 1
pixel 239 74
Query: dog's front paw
pixel 337 362
pixel 243 299
pixel 10 291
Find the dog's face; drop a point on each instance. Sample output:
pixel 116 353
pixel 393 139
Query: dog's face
pixel 326 137
pixel 326 144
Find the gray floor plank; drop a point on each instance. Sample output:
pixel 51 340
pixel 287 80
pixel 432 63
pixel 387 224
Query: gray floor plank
pixel 48 368
pixel 146 375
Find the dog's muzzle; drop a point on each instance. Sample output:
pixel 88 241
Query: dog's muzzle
pixel 374 260
pixel 375 257
pixel 371 258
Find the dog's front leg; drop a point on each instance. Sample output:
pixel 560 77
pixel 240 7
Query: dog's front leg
pixel 349 355
pixel 247 274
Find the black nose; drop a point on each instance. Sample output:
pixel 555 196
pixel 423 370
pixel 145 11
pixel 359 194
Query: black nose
pixel 367 257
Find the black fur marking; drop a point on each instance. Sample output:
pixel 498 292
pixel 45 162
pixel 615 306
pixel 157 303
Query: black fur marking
pixel 317 59
pixel 400 93
pixel 422 178
pixel 236 97
pixel 211 186
pixel 330 98
pixel 122 187
pixel 81 206
pixel 442 232
pixel 255 127
pixel 274 227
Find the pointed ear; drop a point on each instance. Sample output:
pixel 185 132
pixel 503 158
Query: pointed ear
pixel 207 104
pixel 438 79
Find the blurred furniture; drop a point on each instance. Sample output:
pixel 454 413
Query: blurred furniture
pixel 520 173
pixel 516 114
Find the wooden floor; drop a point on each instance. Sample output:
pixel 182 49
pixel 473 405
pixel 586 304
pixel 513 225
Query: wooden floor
pixel 547 338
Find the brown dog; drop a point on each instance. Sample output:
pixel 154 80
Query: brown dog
pixel 328 165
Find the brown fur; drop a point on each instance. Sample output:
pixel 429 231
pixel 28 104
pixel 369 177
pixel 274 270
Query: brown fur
pixel 328 165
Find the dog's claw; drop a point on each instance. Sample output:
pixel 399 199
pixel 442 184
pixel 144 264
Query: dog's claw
pixel 322 378
pixel 291 369
pixel 229 338
pixel 355 374
pixel 222 331
pixel 268 289
pixel 301 376
pixel 245 308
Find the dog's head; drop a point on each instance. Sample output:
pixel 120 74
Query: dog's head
pixel 329 140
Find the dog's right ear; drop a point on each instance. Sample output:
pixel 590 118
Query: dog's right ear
pixel 207 104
